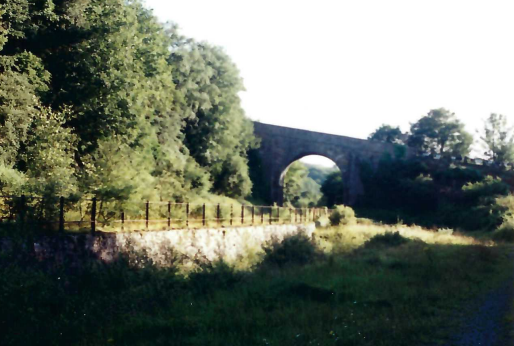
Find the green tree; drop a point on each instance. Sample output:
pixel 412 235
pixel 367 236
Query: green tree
pixel 440 132
pixel 388 134
pixel 497 139
pixel 217 133
pixel 299 189
pixel 333 189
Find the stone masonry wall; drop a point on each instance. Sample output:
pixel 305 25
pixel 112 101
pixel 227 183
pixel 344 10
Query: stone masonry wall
pixel 206 244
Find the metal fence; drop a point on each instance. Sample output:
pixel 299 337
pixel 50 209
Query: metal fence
pixel 89 214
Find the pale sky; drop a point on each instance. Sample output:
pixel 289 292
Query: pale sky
pixel 346 67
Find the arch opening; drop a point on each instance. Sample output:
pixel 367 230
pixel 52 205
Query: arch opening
pixel 307 181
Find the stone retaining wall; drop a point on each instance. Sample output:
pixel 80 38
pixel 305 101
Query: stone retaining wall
pixel 228 244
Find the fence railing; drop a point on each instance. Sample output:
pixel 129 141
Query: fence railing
pixel 89 215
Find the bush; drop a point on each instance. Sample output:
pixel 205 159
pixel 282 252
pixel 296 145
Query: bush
pixel 322 221
pixel 388 239
pixel 342 215
pixel 505 232
pixel 212 276
pixel 297 249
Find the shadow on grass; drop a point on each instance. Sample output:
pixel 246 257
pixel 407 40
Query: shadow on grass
pixel 398 293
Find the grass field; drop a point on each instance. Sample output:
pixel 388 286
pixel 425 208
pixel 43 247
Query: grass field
pixel 344 290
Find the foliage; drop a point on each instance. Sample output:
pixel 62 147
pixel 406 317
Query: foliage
pixel 333 189
pixel 319 173
pixel 299 189
pixel 398 184
pixel 294 250
pixel 98 98
pixel 336 297
pixel 342 215
pixel 505 233
pixel 217 133
pixel 440 132
pixel 388 239
pixel 388 134
pixel 498 140
pixel 435 196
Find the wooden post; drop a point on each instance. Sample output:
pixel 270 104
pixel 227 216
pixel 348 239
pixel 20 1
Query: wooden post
pixel 262 216
pixel 122 220
pixel 253 214
pixel 231 214
pixel 169 214
pixel 61 214
pixel 147 216
pixel 270 212
pixel 22 210
pixel 93 216
pixel 187 214
pixel 243 214
pixel 203 214
pixel 218 214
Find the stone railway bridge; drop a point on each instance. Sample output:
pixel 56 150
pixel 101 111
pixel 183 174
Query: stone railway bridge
pixel 281 146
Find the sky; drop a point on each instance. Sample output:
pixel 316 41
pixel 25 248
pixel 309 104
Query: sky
pixel 347 67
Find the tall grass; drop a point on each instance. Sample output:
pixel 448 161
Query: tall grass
pixel 392 291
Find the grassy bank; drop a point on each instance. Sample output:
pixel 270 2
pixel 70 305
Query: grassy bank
pixel 344 290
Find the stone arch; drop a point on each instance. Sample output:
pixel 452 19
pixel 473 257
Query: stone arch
pixel 280 146
pixel 284 170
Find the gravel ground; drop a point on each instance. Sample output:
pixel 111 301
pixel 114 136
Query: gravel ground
pixel 486 325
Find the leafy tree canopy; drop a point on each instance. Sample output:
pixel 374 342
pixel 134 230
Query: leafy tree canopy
pixel 388 134
pixel 97 97
pixel 440 132
pixel 497 139
pixel 299 189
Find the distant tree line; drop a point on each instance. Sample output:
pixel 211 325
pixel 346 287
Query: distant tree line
pixel 97 97
pixel 441 133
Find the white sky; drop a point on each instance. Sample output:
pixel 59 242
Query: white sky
pixel 346 67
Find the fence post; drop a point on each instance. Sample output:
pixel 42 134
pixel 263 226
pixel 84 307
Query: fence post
pixel 122 220
pixel 203 214
pixel 169 214
pixel 147 217
pixel 22 210
pixel 231 214
pixel 253 214
pixel 270 212
pixel 218 214
pixel 242 214
pixel 187 214
pixel 93 216
pixel 61 214
pixel 262 216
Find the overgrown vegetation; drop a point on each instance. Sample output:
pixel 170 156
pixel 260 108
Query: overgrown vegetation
pixel 98 98
pixel 434 195
pixel 296 296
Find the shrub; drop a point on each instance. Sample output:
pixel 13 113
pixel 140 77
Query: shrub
pixel 388 239
pixel 342 215
pixel 212 276
pixel 484 192
pixel 322 221
pixel 505 232
pixel 297 249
